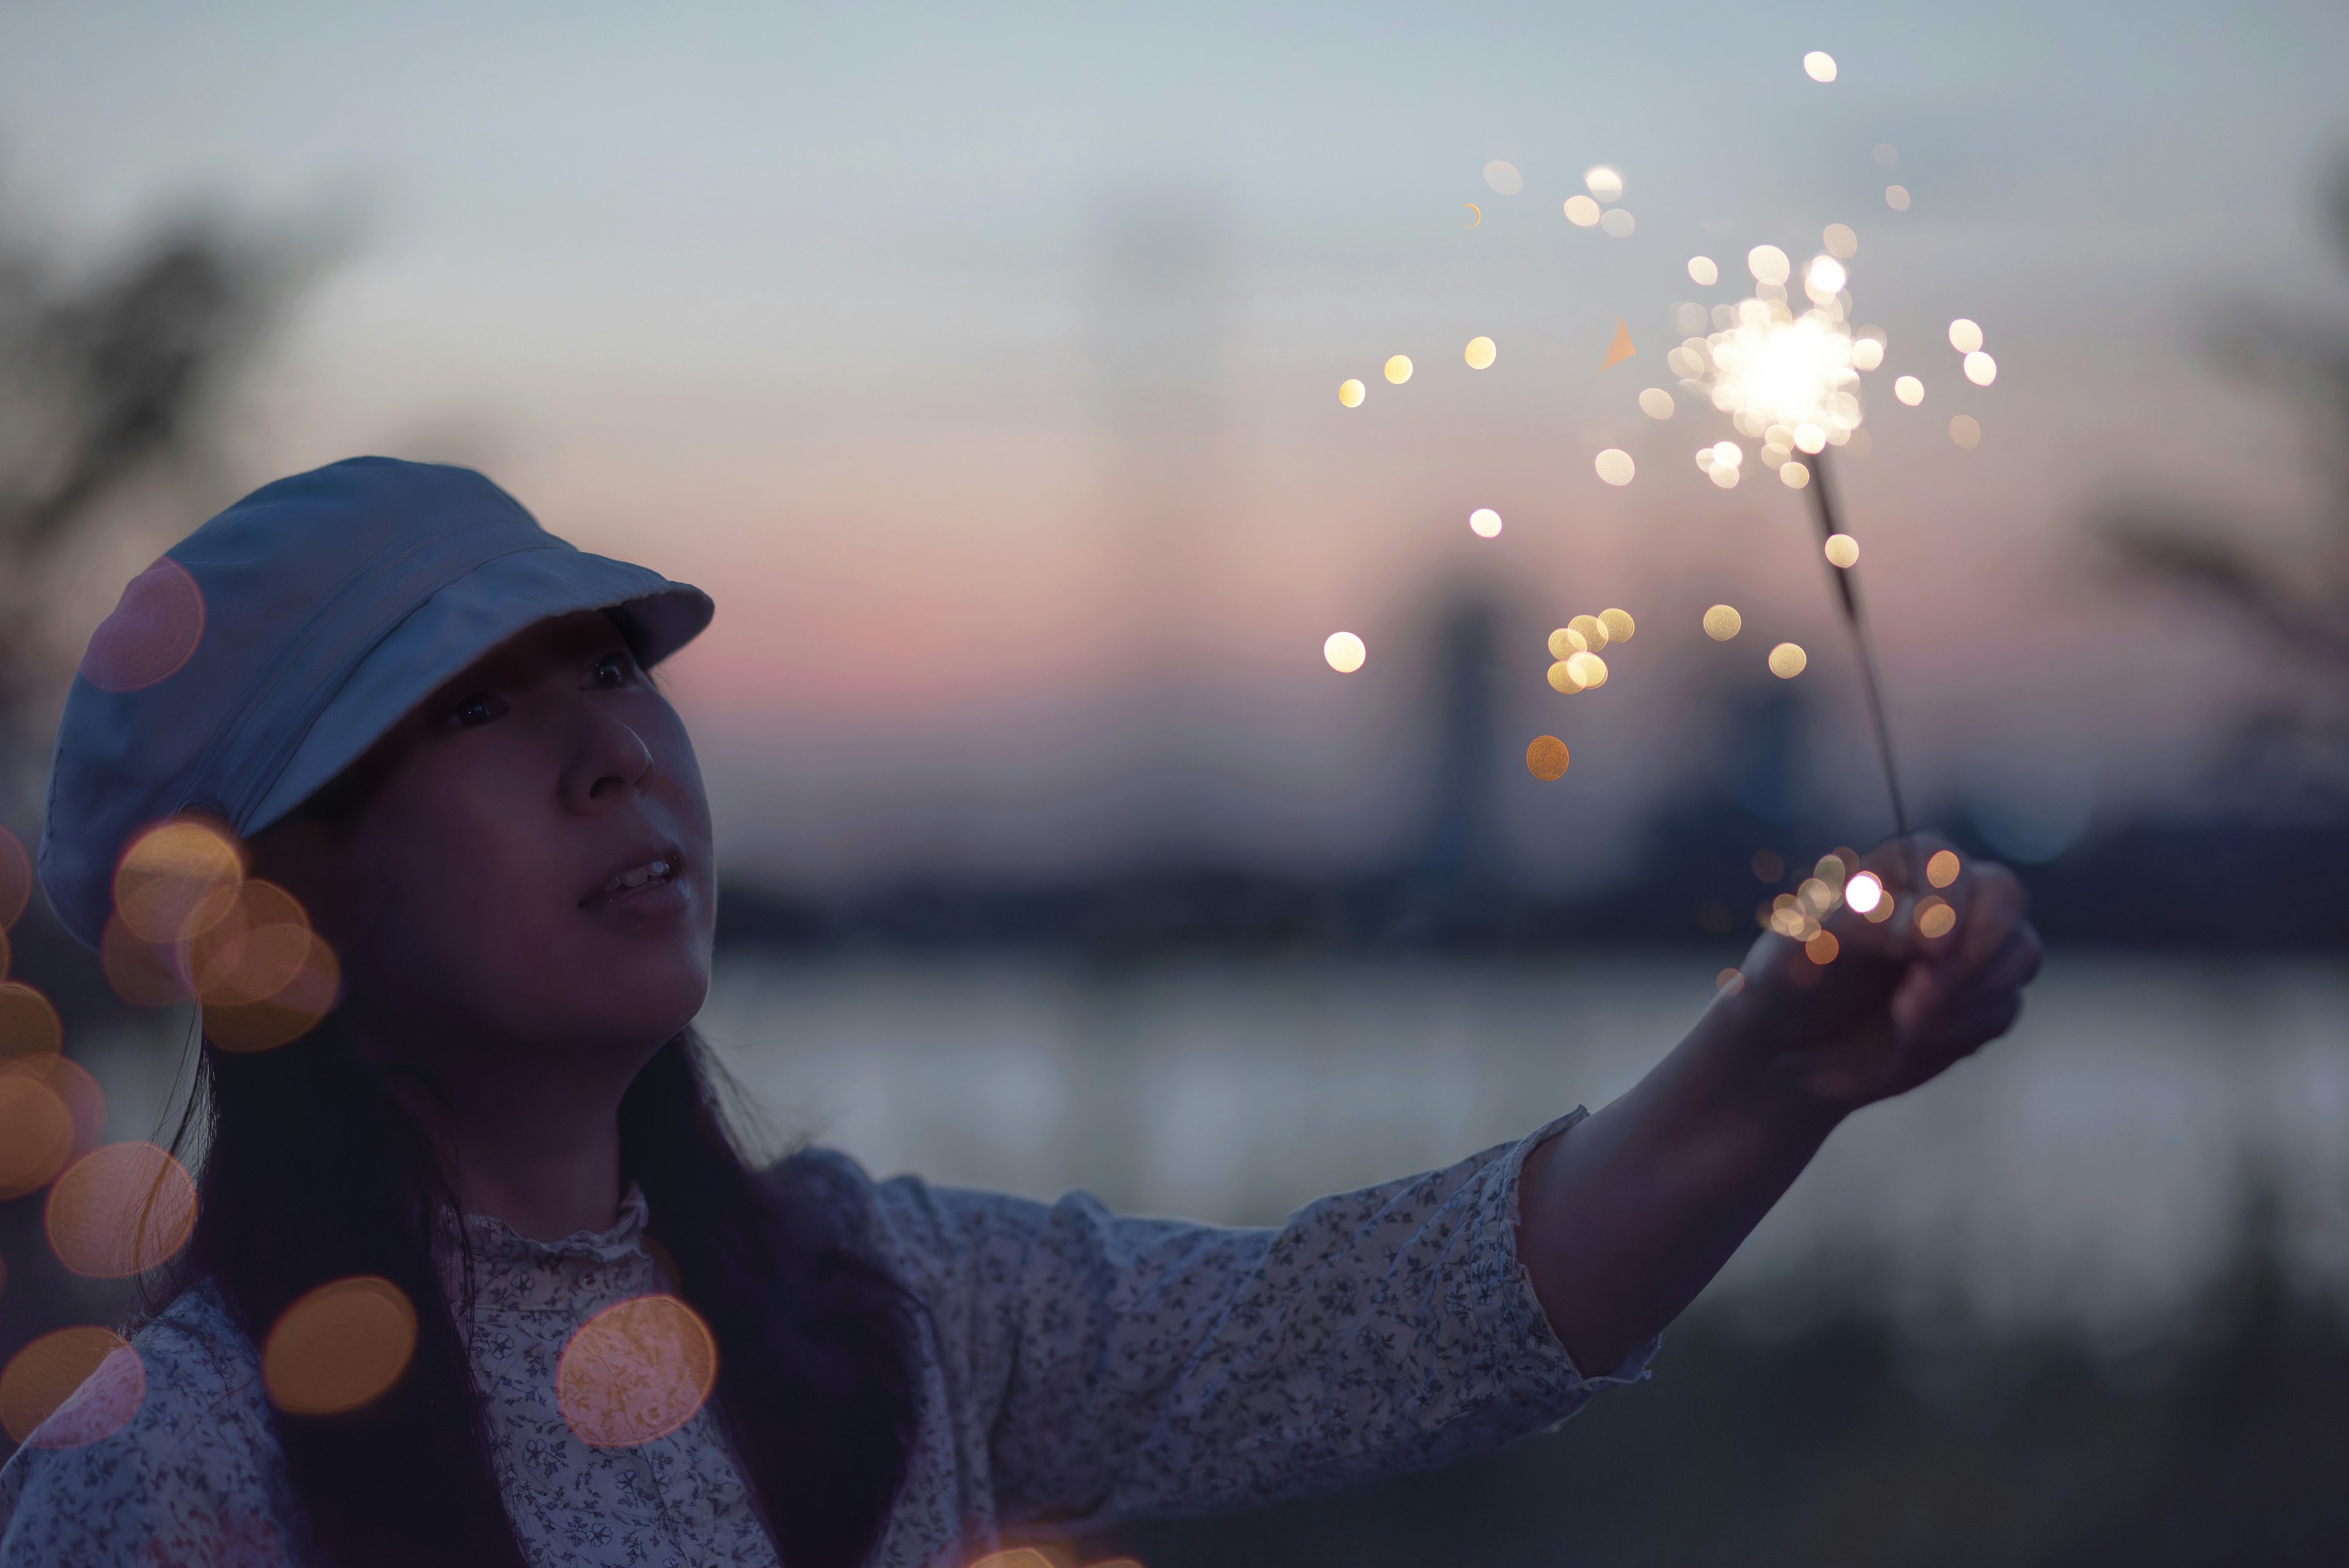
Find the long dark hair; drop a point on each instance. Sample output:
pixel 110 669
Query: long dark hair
pixel 313 1171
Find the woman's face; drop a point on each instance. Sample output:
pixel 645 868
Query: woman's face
pixel 531 865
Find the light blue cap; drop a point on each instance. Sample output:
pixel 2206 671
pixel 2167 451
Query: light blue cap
pixel 322 607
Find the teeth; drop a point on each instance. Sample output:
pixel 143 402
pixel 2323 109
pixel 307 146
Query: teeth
pixel 636 877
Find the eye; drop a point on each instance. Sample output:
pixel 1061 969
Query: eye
pixel 472 713
pixel 611 672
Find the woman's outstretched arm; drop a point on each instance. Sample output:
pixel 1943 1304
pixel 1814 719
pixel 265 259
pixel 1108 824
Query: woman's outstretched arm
pixel 1623 1220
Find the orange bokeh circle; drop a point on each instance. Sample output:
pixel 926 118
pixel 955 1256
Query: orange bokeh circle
pixel 28 1024
pixel 71 1387
pixel 338 1347
pixel 15 878
pixel 120 1209
pixel 287 1014
pixel 253 951
pixel 143 973
pixel 635 1371
pixel 177 879
pixel 37 1135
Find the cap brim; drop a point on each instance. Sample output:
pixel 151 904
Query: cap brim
pixel 458 625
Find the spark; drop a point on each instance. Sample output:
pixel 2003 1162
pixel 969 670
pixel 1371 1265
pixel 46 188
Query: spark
pixel 1864 892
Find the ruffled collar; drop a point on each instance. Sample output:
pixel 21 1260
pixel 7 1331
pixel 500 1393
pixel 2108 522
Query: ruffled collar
pixel 578 1273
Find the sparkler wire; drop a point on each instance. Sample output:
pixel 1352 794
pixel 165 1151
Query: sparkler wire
pixel 1824 503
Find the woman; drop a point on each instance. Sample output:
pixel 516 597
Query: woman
pixel 432 722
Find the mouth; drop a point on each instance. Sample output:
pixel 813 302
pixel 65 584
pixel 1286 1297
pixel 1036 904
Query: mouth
pixel 635 878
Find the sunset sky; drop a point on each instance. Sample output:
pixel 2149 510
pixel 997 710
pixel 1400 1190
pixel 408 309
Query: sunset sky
pixel 983 364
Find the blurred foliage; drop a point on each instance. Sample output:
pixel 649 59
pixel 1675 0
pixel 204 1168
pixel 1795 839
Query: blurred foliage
pixel 2294 600
pixel 108 373
pixel 1840 1446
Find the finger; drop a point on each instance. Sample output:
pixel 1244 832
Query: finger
pixel 2009 968
pixel 1934 998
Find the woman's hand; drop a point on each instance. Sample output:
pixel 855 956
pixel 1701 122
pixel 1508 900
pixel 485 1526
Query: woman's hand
pixel 1892 1006
pixel 1623 1219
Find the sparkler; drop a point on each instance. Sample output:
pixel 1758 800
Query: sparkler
pixel 1792 380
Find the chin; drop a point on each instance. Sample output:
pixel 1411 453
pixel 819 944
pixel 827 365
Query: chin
pixel 636 1003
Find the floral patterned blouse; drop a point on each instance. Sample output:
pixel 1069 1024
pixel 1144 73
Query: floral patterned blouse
pixel 1077 1367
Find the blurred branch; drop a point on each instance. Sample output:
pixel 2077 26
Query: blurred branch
pixel 2299 602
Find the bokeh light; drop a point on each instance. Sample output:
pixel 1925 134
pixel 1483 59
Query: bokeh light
pixel 1603 182
pixel 1351 393
pixel 1824 278
pixel 143 973
pixel 1588 669
pixel 1656 403
pixel 1484 523
pixel 1617 223
pixel 1769 865
pixel 1942 868
pixel 1965 336
pixel 1788 659
pixel 1935 918
pixel 1867 354
pixel 1910 390
pixel 1561 677
pixel 1768 264
pixel 1722 622
pixel 1617 624
pixel 1896 198
pixel 285 1014
pixel 154 630
pixel 1615 465
pixel 177 879
pixel 1546 758
pixel 28 1024
pixel 635 1372
pixel 1816 895
pixel 1398 369
pixel 1864 892
pixel 1831 869
pixel 338 1347
pixel 1502 176
pixel 1842 550
pixel 1730 981
pixel 1704 271
pixel 1887 155
pixel 1565 641
pixel 1966 430
pixel 1344 652
pixel 120 1209
pixel 1582 211
pixel 1841 240
pixel 37 1135
pixel 1591 630
pixel 1820 66
pixel 1980 368
pixel 254 950
pixel 1480 353
pixel 1793 475
pixel 71 1387
pixel 1822 947
pixel 15 879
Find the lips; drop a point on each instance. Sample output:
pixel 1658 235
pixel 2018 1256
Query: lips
pixel 641 871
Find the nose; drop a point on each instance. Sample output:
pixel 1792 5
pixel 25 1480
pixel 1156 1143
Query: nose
pixel 611 764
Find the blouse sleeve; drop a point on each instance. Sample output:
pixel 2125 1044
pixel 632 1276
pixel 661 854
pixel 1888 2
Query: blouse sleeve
pixel 1130 1366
